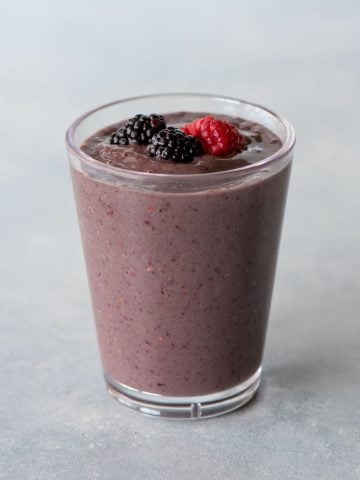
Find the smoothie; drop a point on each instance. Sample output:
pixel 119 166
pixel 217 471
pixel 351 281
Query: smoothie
pixel 181 282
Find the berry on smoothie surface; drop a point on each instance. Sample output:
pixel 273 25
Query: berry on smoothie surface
pixel 217 137
pixel 173 144
pixel 138 130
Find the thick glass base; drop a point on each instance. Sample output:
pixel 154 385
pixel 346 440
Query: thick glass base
pixel 178 408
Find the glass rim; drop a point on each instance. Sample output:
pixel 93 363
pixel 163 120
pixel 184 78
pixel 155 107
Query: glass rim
pixel 75 150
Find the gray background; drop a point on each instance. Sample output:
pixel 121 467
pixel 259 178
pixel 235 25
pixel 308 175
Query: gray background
pixel 59 59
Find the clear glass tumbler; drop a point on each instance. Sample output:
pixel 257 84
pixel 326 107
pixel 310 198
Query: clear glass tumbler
pixel 181 267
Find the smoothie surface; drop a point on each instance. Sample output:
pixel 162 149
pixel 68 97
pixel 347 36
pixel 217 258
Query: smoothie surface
pixel 261 144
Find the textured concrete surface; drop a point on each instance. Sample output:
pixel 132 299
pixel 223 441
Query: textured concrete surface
pixel 60 58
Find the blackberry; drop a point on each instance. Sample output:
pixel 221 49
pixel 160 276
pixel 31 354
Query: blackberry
pixel 173 144
pixel 138 129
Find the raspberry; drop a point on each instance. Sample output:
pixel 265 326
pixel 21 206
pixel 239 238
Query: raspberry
pixel 194 128
pixel 217 137
pixel 172 144
pixel 138 129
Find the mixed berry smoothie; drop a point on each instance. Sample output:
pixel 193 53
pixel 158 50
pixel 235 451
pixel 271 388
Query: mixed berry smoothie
pixel 181 281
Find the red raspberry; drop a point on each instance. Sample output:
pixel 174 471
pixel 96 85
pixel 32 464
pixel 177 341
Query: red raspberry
pixel 216 136
pixel 194 128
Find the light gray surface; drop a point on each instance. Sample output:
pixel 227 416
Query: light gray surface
pixel 61 58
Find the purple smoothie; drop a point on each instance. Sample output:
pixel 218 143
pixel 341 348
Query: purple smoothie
pixel 181 282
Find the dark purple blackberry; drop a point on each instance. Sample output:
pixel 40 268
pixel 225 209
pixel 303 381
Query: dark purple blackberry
pixel 138 129
pixel 173 144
